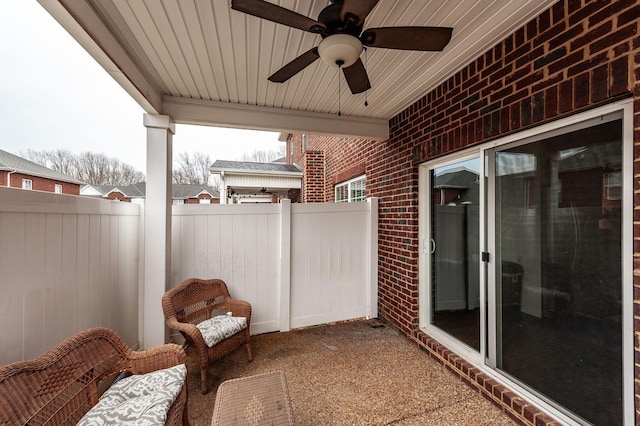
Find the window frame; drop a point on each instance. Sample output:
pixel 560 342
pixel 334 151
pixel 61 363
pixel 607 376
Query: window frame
pixel 349 185
pixel 27 184
pixel 57 188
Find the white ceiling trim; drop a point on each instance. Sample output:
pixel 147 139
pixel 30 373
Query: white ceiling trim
pixel 223 114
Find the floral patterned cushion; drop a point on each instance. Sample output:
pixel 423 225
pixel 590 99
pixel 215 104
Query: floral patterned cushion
pixel 141 399
pixel 216 329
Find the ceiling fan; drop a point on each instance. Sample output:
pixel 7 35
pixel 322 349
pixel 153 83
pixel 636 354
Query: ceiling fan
pixel 340 25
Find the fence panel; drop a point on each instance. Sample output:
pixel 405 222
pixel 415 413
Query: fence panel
pixel 66 263
pixel 239 244
pixel 330 262
pixel 329 276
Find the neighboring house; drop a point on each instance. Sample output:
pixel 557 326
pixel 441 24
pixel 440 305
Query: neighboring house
pixel 456 185
pixel 181 193
pixel 251 182
pixel 17 172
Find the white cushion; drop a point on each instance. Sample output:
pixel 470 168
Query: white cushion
pixel 142 399
pixel 216 329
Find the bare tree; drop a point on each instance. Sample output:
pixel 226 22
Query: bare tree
pixel 263 156
pixel 192 168
pixel 60 160
pixel 89 167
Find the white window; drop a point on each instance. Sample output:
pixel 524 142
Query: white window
pixel 204 201
pixel 177 201
pixel 27 184
pixel 613 186
pixel 58 188
pixel 352 190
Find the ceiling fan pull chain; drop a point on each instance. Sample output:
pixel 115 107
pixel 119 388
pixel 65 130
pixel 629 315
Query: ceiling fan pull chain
pixel 339 92
pixel 366 66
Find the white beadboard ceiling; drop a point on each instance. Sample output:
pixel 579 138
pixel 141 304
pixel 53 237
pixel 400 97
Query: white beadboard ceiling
pixel 202 63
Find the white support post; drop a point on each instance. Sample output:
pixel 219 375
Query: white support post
pixel 372 302
pixel 285 265
pixel 157 229
pixel 223 190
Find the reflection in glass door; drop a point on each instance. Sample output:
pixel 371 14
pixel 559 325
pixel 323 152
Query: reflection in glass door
pixel 558 266
pixel 454 246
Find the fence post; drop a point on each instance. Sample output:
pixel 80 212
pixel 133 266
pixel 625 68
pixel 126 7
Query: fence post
pixel 372 279
pixel 285 265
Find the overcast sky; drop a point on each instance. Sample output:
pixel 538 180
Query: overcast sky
pixel 54 95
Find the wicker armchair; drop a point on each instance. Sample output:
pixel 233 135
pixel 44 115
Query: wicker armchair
pixel 190 303
pixel 60 386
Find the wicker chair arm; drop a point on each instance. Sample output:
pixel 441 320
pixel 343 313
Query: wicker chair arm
pixel 187 328
pixel 157 358
pixel 239 308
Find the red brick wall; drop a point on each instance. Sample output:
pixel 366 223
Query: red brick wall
pixel 313 180
pixel 576 55
pixel 203 197
pixel 39 183
pixel 344 159
pixel 116 195
pixel 295 195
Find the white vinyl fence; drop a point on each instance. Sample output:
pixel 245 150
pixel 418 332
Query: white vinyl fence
pixel 298 265
pixel 67 263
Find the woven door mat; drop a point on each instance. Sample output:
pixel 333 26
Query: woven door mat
pixel 255 400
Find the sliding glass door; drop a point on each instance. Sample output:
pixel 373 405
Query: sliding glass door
pixel 454 245
pixel 526 263
pixel 558 261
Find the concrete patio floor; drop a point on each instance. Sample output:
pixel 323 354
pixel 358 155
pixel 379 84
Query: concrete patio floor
pixel 353 373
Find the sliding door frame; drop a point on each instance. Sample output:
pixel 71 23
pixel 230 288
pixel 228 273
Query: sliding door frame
pixel 486 359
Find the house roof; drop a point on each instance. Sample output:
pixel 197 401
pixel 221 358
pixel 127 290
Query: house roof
pixel 458 177
pixel 200 62
pixel 11 162
pixel 138 190
pixel 247 167
pixel 192 191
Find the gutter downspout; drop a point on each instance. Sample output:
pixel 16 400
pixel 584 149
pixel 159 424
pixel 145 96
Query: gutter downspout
pixel 9 177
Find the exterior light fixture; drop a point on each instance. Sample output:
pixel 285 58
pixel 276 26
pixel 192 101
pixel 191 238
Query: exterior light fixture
pixel 342 50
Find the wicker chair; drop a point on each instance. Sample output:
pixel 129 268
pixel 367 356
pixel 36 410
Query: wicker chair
pixel 190 303
pixel 60 386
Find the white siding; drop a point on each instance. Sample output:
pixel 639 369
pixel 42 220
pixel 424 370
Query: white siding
pixel 258 181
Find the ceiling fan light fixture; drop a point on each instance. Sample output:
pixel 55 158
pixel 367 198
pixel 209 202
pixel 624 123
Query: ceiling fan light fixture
pixel 340 49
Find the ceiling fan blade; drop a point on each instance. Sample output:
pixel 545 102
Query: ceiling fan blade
pixel 295 66
pixel 356 76
pixel 354 11
pixel 272 12
pixel 407 38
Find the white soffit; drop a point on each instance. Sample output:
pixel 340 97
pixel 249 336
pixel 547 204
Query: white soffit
pixel 271 182
pixel 202 63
